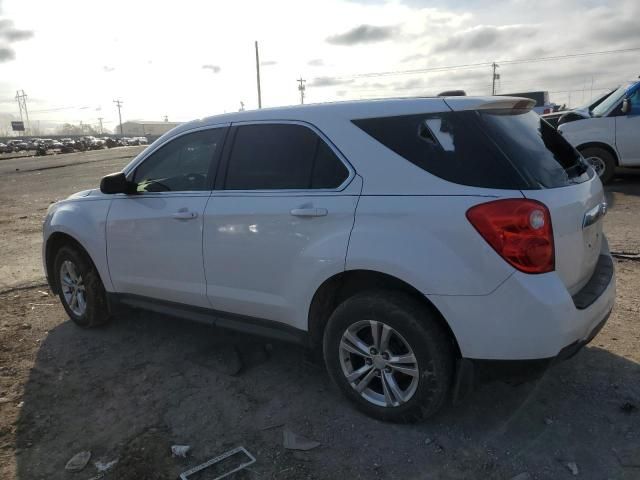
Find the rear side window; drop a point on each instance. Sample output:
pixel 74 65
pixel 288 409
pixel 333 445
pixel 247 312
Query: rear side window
pixel 446 145
pixel 282 157
pixel 502 149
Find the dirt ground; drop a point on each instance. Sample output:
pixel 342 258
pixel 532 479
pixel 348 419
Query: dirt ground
pixel 129 391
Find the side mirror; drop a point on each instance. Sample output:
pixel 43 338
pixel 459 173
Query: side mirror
pixel 626 105
pixel 116 183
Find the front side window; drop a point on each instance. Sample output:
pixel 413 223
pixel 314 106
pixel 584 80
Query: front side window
pixel 282 157
pixel 181 165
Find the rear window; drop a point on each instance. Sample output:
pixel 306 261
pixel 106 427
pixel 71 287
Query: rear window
pixel 503 149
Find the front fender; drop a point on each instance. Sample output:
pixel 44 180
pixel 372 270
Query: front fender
pixel 84 220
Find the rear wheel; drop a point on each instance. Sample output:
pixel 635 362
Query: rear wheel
pixel 389 356
pixel 602 162
pixel 80 288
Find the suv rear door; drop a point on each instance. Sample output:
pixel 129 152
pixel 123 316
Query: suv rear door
pixel 278 222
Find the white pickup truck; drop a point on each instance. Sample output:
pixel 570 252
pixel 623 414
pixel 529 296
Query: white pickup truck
pixel 609 135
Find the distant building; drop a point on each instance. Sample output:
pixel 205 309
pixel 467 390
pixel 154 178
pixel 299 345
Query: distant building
pixel 143 128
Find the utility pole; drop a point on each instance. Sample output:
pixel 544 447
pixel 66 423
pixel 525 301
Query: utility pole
pixel 166 118
pixel 241 106
pixel 258 76
pixel 301 87
pixel 101 129
pixel 21 98
pixel 119 105
pixel 495 76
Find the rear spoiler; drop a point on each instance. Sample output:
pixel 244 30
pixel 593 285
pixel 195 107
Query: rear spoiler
pixel 489 103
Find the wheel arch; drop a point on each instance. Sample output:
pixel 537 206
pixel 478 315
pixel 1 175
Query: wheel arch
pixel 334 290
pixel 55 242
pixel 601 145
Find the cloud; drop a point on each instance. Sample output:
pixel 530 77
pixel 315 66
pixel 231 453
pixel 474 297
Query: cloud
pixel 8 35
pixel 12 34
pixel 483 37
pixel 363 34
pixel 6 54
pixel 268 63
pixel 108 69
pixel 316 62
pixel 328 82
pixel 213 68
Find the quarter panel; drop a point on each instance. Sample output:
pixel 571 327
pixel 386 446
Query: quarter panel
pixel 428 242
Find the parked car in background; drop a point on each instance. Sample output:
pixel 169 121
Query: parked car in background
pixel 18 145
pixel 563 116
pixel 608 136
pixel 414 242
pixel 4 148
pixel 542 105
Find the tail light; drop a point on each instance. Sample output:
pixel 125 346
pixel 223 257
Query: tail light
pixel 519 230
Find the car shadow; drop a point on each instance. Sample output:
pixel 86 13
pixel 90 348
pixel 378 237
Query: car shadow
pixel 130 390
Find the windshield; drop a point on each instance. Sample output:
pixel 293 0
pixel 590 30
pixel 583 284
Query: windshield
pixel 610 102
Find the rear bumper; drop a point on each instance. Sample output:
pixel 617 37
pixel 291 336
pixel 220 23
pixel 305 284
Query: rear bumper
pixel 472 371
pixel 530 317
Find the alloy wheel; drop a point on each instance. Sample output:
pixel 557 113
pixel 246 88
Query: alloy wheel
pixel 379 363
pixel 598 165
pixel 73 288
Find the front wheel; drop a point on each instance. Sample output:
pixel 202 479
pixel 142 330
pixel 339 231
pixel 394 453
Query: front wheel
pixel 389 355
pixel 602 162
pixel 80 288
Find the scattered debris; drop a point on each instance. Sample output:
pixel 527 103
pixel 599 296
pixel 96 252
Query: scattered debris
pixel 25 326
pixel 626 255
pixel 43 293
pixel 22 217
pixel 105 466
pixel 21 404
pixel 224 456
pixel 522 476
pixel 180 450
pixel 78 461
pixel 297 442
pixel 548 421
pixel 573 468
pixel 628 407
pixel 5 400
pixel 428 441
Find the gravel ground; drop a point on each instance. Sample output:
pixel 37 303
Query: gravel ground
pixel 145 382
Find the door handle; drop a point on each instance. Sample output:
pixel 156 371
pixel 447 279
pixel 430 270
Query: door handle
pixel 184 215
pixel 309 212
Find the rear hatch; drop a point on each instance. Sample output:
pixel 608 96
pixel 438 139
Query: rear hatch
pixel 555 174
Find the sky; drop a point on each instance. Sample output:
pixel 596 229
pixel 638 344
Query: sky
pixel 196 58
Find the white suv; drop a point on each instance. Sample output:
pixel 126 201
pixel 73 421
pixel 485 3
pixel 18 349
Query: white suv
pixel 414 242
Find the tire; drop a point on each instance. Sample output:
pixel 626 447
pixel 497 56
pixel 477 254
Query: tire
pixel 94 299
pixel 602 159
pixel 414 328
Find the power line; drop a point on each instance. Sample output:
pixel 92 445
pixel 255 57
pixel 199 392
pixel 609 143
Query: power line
pixel 487 64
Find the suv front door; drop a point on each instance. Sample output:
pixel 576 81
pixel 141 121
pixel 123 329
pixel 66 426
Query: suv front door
pixel 627 133
pixel 154 237
pixel 278 223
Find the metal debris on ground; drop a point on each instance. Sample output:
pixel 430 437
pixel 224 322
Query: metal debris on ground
pixel 78 461
pixel 105 466
pixel 180 450
pixel 224 456
pixel 522 476
pixel 297 442
pixel 573 468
